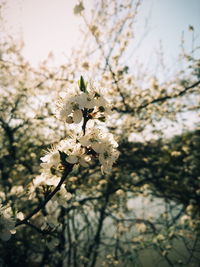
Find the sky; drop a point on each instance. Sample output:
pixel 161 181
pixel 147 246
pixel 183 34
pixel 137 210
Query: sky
pixel 49 25
pixel 164 23
pixel 44 25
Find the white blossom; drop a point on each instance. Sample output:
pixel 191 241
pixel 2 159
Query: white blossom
pixel 67 106
pixel 51 163
pixel 104 145
pixel 70 107
pixel 89 104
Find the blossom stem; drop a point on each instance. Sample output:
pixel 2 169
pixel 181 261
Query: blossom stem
pixel 85 120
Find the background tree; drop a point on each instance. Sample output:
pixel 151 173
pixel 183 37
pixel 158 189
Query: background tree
pixel 147 208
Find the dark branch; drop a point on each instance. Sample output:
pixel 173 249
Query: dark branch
pixel 156 100
pixel 49 197
pixel 164 98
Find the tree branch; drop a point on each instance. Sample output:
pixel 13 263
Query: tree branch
pixel 49 197
pixel 129 110
pixel 164 98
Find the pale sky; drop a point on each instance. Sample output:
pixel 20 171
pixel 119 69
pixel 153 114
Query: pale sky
pixel 49 25
pixel 44 25
pixel 168 21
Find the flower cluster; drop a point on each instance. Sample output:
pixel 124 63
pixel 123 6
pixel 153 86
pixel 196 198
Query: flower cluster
pixel 82 151
pixel 71 150
pixel 104 145
pixel 7 225
pixel 74 106
pixel 82 148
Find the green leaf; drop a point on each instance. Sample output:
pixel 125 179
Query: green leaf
pixel 82 84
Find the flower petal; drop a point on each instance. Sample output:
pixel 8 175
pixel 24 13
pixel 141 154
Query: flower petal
pixel 77 116
pixel 72 159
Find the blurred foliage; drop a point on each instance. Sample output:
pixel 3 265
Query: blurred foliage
pixel 171 167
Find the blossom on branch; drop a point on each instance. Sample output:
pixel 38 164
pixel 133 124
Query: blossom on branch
pixel 80 148
pixel 71 107
pixel 104 145
pixel 80 151
pixel 73 153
